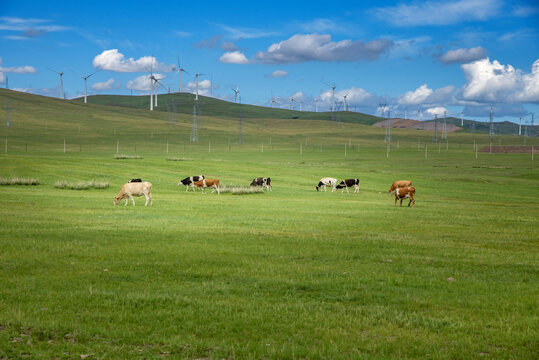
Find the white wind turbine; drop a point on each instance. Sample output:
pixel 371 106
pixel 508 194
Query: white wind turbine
pixel 196 85
pixel 236 92
pixel 345 104
pixel 61 73
pixel 292 103
pixel 156 81
pixel 332 95
pixel 180 70
pixel 86 78
pixel 316 102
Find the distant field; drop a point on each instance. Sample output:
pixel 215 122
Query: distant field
pixel 290 273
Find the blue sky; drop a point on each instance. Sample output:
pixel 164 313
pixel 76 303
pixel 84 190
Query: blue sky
pixel 420 57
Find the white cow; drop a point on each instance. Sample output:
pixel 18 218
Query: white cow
pixel 327 181
pixel 134 189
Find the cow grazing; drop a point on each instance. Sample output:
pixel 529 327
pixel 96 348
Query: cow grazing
pixel 400 184
pixel 327 181
pixel 190 181
pixel 204 183
pixel 403 193
pixel 266 182
pixel 134 189
pixel 135 180
pixel 346 183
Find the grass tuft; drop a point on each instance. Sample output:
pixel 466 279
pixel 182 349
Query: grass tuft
pixel 241 190
pixel 121 157
pixel 81 185
pixel 18 181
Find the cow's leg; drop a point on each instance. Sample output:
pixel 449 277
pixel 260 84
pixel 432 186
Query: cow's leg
pixel 401 201
pixel 333 189
pixel 132 199
pixel 218 191
pixel 126 201
pixel 147 198
pixel 356 191
pixel 395 201
pixel 213 189
pixel 348 192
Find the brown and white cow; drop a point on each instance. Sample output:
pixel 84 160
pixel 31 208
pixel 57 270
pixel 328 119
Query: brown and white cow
pixel 404 193
pixel 205 183
pixel 190 181
pixel 134 189
pixel 266 182
pixel 346 183
pixel 400 184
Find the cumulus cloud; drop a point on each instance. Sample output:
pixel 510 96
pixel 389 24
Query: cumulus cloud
pixel 279 73
pixel 113 60
pixel 141 83
pixel 433 13
pixel 439 110
pixel 2 78
pixel 314 47
pixel 492 82
pixel 425 96
pixel 463 55
pixel 204 87
pixel 106 85
pixel 234 57
pixel 18 69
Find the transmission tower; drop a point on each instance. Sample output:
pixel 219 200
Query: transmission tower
pixel 435 134
pixel 532 132
pixel 240 131
pixel 8 122
pixel 491 129
pixel 444 127
pixel 194 130
pixel 383 108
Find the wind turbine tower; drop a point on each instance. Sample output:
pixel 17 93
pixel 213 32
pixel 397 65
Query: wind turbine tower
pixel 345 104
pixel 236 92
pixel 292 103
pixel 520 126
pixel 332 96
pixel 316 103
pixel 61 73
pixel 462 119
pixel 196 85
pixel 86 78
pixel 435 134
pixel 180 70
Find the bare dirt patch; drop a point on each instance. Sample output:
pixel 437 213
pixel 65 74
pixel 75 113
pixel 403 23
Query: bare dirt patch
pixel 511 149
pixel 416 125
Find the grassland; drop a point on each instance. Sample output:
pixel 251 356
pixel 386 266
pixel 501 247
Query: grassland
pixel 287 274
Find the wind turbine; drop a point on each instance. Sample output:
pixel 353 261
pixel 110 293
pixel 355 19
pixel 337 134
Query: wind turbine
pixel 236 92
pixel 61 73
pixel 86 78
pixel 180 70
pixel 156 81
pixel 332 95
pixel 196 81
pixel 273 102
pixel 345 104
pixel 316 102
pixel 291 103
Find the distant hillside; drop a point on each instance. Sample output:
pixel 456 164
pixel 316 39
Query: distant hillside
pixel 183 103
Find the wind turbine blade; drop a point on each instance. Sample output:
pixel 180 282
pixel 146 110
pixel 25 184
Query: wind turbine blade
pixel 95 72
pixel 322 81
pixel 53 70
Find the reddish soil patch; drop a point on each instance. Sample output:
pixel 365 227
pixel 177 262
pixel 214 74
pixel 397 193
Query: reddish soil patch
pixel 511 149
pixel 416 125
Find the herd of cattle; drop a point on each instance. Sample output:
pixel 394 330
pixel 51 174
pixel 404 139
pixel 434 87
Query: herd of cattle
pixel 136 187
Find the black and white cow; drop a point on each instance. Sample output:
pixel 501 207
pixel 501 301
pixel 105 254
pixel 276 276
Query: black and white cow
pixel 135 180
pixel 346 183
pixel 190 181
pixel 327 181
pixel 266 182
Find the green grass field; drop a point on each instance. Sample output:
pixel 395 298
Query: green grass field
pixel 287 274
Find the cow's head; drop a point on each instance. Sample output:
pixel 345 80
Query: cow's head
pixel 117 200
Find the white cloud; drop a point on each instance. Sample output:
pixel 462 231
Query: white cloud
pixel 320 26
pixel 525 10
pixel 439 110
pixel 107 85
pixel 246 33
pixel 204 87
pixel 463 55
pixel 425 96
pixel 432 13
pixel 492 82
pixel 314 47
pixel 113 60
pixel 141 83
pixel 234 57
pixel 2 78
pixel 279 73
pixel 18 69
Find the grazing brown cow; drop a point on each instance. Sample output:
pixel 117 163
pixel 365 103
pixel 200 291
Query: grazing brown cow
pixel 134 189
pixel 204 183
pixel 403 193
pixel 399 184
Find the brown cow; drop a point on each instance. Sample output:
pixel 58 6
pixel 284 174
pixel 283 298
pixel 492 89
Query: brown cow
pixel 134 189
pixel 403 193
pixel 204 183
pixel 399 184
